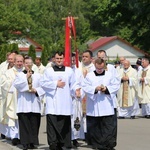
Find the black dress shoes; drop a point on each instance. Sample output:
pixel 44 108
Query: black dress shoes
pixel 2 136
pixel 147 116
pixel 132 117
pixel 32 146
pixel 121 117
pixel 15 141
pixel 25 147
pixel 75 143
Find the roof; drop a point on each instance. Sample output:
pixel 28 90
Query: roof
pixel 105 40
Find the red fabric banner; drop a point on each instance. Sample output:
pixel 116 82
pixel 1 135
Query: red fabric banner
pixel 70 29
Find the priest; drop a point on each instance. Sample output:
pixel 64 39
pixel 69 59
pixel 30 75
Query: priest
pixel 9 119
pixel 127 94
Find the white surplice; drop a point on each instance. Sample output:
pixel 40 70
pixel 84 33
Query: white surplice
pixel 58 100
pixel 27 101
pixel 99 104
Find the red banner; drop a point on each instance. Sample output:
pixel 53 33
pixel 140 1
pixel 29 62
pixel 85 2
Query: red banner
pixel 69 30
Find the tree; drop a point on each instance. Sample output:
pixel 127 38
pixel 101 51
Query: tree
pixel 32 52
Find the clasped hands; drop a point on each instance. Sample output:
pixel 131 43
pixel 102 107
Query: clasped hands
pixel 101 88
pixel 125 78
pixel 61 84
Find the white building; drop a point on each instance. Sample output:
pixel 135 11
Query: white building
pixel 116 47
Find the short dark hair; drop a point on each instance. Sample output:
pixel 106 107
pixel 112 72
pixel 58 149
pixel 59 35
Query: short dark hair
pixel 14 51
pixel 88 51
pixel 59 53
pixel 102 51
pixel 99 61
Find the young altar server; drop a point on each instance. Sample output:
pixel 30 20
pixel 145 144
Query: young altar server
pixel 58 83
pixel 99 87
pixel 29 106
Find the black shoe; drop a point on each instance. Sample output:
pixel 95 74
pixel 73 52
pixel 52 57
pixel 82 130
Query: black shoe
pixel 75 143
pixel 15 141
pixel 25 147
pixel 121 117
pixel 53 146
pixel 132 117
pixel 32 146
pixel 2 136
pixel 147 116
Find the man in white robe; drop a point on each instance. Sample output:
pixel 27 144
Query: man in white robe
pixel 4 67
pixel 77 107
pixel 39 65
pixel 59 83
pixel 109 67
pixel 29 105
pixel 99 86
pixel 86 66
pixel 127 94
pixel 144 88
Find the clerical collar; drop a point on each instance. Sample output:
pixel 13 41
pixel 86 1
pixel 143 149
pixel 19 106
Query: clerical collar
pixel 25 71
pixel 58 68
pixel 101 74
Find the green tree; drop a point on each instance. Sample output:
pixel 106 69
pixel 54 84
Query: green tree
pixel 32 52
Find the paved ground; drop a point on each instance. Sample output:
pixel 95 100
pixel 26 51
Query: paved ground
pixel 132 135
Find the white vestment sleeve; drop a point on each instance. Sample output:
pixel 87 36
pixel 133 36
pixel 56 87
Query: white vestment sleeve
pixel 88 88
pixel 21 83
pixel 40 92
pixel 48 85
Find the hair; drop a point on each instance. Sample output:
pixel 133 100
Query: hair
pixel 15 51
pixel 19 56
pixel 146 59
pixel 73 54
pixel 88 51
pixel 99 61
pixel 59 53
pixel 102 51
pixel 38 58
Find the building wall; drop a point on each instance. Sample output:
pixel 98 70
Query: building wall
pixel 118 48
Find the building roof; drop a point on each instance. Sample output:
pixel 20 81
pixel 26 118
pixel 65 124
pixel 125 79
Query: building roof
pixel 105 40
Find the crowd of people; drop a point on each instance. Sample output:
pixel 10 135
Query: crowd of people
pixel 78 103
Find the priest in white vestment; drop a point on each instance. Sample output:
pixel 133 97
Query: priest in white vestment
pixel 127 94
pixel 9 118
pixel 99 86
pixel 59 82
pixel 144 88
pixel 29 105
pixel 4 67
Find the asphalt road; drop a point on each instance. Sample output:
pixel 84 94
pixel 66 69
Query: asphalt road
pixel 133 134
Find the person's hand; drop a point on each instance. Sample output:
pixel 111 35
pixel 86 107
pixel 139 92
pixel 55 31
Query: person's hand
pixel 98 88
pixel 142 79
pixel 78 93
pixel 29 73
pixel 103 88
pixel 60 83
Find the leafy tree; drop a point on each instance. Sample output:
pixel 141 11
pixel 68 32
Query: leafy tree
pixel 32 52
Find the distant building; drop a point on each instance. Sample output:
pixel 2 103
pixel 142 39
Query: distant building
pixel 24 44
pixel 116 46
